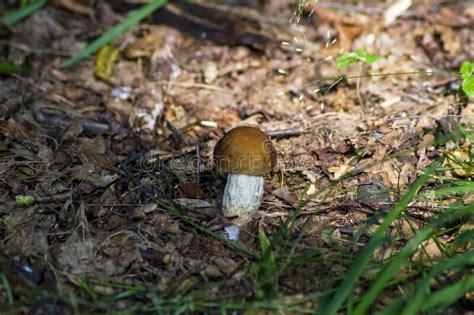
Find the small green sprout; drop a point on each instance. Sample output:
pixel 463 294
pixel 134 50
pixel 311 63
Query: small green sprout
pixel 467 74
pixel 24 200
pixel 360 54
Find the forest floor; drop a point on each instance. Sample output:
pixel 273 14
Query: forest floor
pixel 109 202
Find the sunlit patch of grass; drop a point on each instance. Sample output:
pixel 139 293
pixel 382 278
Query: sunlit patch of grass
pixel 450 271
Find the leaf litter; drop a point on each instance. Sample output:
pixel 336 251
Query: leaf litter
pixel 100 152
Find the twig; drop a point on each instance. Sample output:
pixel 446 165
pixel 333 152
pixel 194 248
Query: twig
pixel 195 85
pixel 39 51
pixel 283 133
pixel 56 120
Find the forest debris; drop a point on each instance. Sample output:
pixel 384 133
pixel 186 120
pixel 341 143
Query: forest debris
pixel 285 194
pixel 311 190
pixel 467 114
pixel 395 10
pixel 460 160
pixel 50 119
pixel 212 272
pixel 210 72
pixel 118 252
pixel 428 249
pixel 373 193
pixel 77 253
pixel 225 264
pixel 104 62
pixel 403 229
pixel 349 28
pixel 451 41
pixel 91 179
pixel 141 211
pixel 340 170
pixel 447 17
pixel 75 6
pixel 192 190
pixel 122 92
pixel 148 108
pixel 174 90
pixel 208 123
pixel 287 132
pixel 19 228
pixel 215 24
pixel 194 204
pixel 158 37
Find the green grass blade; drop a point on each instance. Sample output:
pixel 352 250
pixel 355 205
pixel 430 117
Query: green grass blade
pixel 133 19
pixel 267 274
pixel 331 306
pixel 189 221
pixel 462 187
pixel 421 292
pixel 385 275
pixel 16 16
pixel 444 296
pixel 73 301
pixel 464 239
pixel 82 284
pixel 9 68
pixel 401 258
pixel 126 293
pixel 449 295
pixel 7 288
pixel 393 309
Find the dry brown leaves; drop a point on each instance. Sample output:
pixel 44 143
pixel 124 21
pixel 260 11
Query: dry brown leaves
pixel 98 156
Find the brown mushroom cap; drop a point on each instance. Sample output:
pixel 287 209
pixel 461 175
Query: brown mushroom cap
pixel 245 150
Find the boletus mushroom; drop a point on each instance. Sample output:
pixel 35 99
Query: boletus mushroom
pixel 246 154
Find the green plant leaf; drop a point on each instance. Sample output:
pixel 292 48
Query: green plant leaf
pixel 134 18
pixel 24 200
pixel 345 60
pixel 467 69
pixel 360 55
pixel 16 16
pixel 9 68
pixel 365 57
pixel 468 85
pixel 467 74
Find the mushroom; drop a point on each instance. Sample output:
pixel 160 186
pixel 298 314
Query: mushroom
pixel 246 154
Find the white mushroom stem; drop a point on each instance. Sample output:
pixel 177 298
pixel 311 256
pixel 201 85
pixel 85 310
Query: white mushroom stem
pixel 233 232
pixel 242 197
